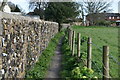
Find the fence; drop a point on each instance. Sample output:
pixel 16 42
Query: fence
pixel 105 53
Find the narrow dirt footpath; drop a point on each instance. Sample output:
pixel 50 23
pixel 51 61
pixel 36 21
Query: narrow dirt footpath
pixel 55 66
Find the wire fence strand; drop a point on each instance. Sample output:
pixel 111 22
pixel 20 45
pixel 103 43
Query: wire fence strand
pixel 110 56
pixel 100 71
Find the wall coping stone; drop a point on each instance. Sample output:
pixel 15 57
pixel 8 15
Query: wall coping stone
pixel 20 17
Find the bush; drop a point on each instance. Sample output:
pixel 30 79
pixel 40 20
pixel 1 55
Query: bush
pixel 84 72
pixel 103 23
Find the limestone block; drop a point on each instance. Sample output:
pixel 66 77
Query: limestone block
pixel 2 71
pixel 5 32
pixel 8 36
pixel 0 42
pixel 3 42
pixel 15 40
pixel 5 26
pixel 0 66
pixel 12 30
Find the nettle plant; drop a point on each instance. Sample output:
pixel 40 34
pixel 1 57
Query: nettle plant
pixel 83 72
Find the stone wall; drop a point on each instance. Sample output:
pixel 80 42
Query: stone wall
pixel 22 39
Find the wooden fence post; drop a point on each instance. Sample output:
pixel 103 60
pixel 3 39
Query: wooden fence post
pixel 78 45
pixel 89 53
pixel 73 43
pixel 105 62
pixel 71 35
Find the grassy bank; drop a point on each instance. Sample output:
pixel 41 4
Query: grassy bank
pixel 40 68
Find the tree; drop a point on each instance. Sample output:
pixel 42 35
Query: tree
pixel 38 7
pixel 97 6
pixel 82 12
pixel 61 11
pixel 93 7
pixel 17 9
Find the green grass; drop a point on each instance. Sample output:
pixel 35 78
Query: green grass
pixel 101 36
pixel 40 68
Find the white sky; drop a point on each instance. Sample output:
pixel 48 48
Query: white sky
pixel 24 4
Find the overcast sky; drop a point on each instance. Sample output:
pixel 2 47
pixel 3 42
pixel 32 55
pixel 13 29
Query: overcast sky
pixel 24 4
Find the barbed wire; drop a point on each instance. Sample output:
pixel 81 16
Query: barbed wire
pixel 110 56
pixel 105 68
pixel 114 59
pixel 97 66
pixel 99 48
pixel 100 71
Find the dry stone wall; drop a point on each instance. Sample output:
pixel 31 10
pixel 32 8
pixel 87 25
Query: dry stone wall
pixel 22 40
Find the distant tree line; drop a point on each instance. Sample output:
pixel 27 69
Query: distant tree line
pixel 62 11
pixel 56 11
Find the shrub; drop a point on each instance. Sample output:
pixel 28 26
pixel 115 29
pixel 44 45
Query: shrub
pixel 103 23
pixel 84 72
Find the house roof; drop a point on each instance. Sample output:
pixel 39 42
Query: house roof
pixel 113 14
pixel 106 14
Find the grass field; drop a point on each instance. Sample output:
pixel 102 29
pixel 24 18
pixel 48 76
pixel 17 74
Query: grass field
pixel 101 36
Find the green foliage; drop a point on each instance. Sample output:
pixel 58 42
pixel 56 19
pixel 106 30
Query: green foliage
pixel 84 39
pixel 84 55
pixel 60 11
pixel 83 72
pixel 40 68
pixel 103 23
pixel 17 9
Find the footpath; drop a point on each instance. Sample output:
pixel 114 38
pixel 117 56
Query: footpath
pixel 55 66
